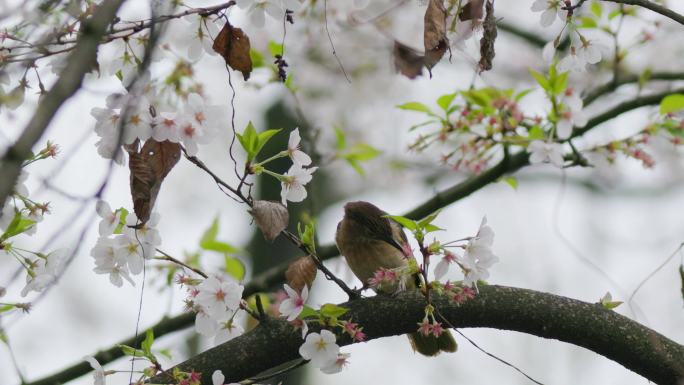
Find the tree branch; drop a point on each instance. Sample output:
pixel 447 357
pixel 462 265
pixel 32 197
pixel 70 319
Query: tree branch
pixel 602 331
pixel 81 61
pixel 613 85
pixel 655 7
pixel 276 274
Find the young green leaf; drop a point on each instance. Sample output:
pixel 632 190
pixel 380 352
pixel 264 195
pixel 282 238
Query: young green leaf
pixel 209 241
pixel 444 101
pixel 415 106
pixel 332 311
pixel 408 223
pixel 234 267
pixel 541 80
pixel 672 103
pixel 17 226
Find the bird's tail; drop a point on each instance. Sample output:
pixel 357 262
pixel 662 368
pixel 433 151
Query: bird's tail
pixel 431 345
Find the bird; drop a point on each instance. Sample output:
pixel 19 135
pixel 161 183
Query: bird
pixel 369 240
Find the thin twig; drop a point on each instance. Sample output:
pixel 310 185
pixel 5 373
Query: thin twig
pixel 167 257
pixel 332 45
pixel 483 350
pixel 653 6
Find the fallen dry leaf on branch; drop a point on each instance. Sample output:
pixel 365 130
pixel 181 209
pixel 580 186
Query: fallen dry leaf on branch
pixel 233 45
pixel 301 272
pixel 149 166
pixel 434 34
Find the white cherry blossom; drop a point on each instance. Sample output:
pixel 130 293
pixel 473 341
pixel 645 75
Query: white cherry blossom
pixel 292 187
pixel 478 256
pixel 545 152
pixel 320 349
pixel 45 271
pixel 218 297
pixel 298 156
pixel 294 303
pixel 110 219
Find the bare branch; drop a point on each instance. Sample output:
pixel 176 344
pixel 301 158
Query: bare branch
pixel 653 6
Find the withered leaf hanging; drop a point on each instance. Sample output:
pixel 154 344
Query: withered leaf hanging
pixel 233 45
pixel 488 38
pixel 434 34
pixel 407 61
pixel 301 271
pixel 149 166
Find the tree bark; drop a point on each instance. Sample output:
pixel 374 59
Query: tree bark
pixel 602 331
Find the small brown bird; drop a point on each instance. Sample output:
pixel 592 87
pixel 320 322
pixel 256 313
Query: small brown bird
pixel 369 240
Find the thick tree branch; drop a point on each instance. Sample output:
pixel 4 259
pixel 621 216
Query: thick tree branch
pixel 632 79
pixel 605 332
pixel 655 7
pixel 276 274
pixel 81 61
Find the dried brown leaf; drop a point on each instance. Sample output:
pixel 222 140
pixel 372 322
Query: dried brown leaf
pixel 233 45
pixel 407 61
pixel 488 38
pixel 149 166
pixel 271 217
pixel 472 11
pixel 434 34
pixel 301 272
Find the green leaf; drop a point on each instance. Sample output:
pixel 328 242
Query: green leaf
pixel 408 223
pixel 429 228
pixel 511 181
pixel 257 58
pixel 146 344
pixel 234 268
pixel 541 80
pixel 263 138
pixel 535 133
pixel 249 141
pixel 129 351
pixel 672 103
pixel 307 235
pixel 479 97
pixel 308 312
pixel 444 101
pixel 275 48
pixel 587 22
pixel 644 77
pixel 613 14
pixel 560 83
pixel 332 310
pixel 122 220
pixel 595 8
pixel 209 242
pixel 17 226
pixel 522 94
pixel 6 307
pixel 427 220
pixel 415 106
pixel 340 139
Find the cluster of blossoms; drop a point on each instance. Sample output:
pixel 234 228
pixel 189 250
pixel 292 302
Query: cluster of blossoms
pixel 300 173
pixel 321 348
pixel 582 51
pixel 148 117
pixel 258 9
pixel 476 260
pixel 123 252
pixel 216 301
pixel 20 215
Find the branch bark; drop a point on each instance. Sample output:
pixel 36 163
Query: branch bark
pixel 602 331
pixel 655 7
pixel 81 61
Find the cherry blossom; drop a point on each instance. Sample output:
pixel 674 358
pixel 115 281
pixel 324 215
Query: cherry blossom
pixel 110 219
pixel 204 31
pixel 129 249
pixel 98 374
pixel 219 297
pixel 227 331
pixel 478 256
pixel 337 365
pixel 443 265
pixel 298 156
pixel 293 182
pixel 45 271
pixel 106 262
pixel 257 9
pixel 546 152
pixel 549 10
pixel 294 304
pixel 320 349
